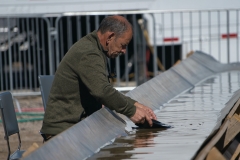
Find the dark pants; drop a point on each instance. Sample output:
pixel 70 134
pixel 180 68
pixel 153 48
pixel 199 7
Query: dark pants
pixel 46 137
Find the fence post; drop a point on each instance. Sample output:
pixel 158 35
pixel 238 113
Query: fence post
pixel 50 56
pixel 154 46
pixel 228 40
pixel 57 40
pixel 10 55
pixel 144 48
pixel 135 49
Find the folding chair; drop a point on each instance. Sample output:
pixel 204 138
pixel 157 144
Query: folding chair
pixel 45 82
pixel 10 123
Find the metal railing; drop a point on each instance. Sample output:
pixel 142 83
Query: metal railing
pixel 32 45
pixel 23 52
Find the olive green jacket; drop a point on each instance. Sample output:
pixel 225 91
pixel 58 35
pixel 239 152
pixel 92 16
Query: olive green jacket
pixel 81 85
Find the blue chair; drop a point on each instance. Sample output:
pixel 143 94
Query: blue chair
pixel 10 123
pixel 45 82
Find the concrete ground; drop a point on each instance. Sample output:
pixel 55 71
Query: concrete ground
pixel 29 131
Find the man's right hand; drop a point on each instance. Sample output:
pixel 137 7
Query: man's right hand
pixel 141 116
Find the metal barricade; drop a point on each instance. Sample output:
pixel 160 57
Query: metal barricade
pixel 34 45
pixel 215 32
pixel 24 51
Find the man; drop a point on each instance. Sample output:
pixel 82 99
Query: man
pixel 81 85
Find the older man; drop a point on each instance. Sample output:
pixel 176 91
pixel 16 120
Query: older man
pixel 81 83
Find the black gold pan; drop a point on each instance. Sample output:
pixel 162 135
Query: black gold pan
pixel 156 124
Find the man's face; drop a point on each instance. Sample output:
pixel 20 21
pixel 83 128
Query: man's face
pixel 118 45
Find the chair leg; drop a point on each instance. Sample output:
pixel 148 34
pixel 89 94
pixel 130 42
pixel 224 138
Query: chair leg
pixel 20 142
pixel 6 135
pixel 9 151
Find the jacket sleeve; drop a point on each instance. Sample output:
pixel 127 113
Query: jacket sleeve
pixel 92 72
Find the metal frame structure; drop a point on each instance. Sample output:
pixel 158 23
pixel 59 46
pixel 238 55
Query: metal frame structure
pixel 53 34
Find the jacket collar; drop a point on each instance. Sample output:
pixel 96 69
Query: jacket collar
pixel 100 47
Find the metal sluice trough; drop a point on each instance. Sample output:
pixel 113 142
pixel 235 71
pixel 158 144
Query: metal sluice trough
pixel 194 97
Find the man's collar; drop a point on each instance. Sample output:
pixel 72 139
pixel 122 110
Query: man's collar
pixel 99 44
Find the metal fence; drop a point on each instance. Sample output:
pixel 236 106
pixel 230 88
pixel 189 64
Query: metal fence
pixel 24 51
pixel 34 45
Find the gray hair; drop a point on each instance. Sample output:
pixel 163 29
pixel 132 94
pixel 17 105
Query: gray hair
pixel 115 25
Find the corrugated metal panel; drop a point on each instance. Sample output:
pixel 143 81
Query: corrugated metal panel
pixel 161 90
pixel 100 129
pixel 192 71
pixel 212 64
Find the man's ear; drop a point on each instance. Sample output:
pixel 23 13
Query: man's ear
pixel 110 36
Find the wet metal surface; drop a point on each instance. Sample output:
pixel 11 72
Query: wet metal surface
pixel 193 115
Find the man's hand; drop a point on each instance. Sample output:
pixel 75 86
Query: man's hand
pixel 147 109
pixel 142 114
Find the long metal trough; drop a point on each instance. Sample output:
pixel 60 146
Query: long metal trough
pixel 194 97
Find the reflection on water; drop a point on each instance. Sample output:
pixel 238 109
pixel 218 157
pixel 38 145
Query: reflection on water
pixel 193 114
pixel 122 147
